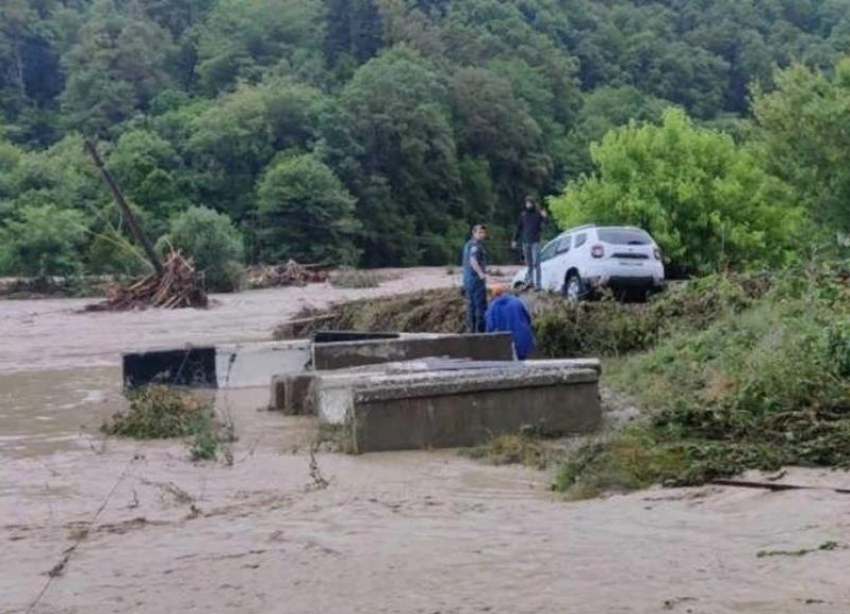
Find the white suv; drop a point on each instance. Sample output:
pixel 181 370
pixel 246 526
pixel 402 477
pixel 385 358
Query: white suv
pixel 584 260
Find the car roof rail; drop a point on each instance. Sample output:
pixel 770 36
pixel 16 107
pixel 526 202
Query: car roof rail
pixel 582 227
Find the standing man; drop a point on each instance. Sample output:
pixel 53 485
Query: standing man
pixel 475 279
pixel 528 233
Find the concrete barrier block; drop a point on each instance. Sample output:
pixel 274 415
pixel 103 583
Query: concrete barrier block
pixel 292 394
pixel 399 410
pixel 189 366
pixel 399 416
pixel 329 356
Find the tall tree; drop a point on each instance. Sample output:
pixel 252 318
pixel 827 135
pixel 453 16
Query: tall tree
pixel 117 66
pixel 493 124
pixel 306 213
pixel 399 116
pixel 804 132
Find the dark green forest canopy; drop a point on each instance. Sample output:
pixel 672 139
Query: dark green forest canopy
pixel 368 131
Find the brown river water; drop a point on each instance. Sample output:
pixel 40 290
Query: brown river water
pixel 92 525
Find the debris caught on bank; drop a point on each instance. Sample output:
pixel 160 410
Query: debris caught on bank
pixel 290 274
pixel 431 311
pixel 347 277
pixel 824 547
pixel 178 287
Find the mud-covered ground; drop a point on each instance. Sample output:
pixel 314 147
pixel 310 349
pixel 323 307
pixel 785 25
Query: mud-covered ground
pixel 89 525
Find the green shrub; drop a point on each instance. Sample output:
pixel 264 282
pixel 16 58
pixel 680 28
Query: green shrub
pixel 214 243
pixel 43 241
pixel 160 412
pixel 164 412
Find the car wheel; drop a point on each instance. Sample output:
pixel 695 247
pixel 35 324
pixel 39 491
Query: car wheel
pixel 573 287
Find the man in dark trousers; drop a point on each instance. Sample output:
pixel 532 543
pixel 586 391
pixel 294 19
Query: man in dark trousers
pixel 527 233
pixel 508 314
pixel 475 279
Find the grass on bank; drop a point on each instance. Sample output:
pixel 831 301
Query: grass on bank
pixel 759 388
pixel 165 412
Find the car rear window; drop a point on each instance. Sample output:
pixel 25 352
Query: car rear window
pixel 624 236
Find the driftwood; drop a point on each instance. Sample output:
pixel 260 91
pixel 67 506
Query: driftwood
pixel 290 274
pixel 176 288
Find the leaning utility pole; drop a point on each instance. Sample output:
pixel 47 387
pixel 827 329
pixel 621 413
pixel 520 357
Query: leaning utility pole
pixel 132 224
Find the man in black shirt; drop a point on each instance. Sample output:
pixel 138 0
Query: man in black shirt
pixel 527 233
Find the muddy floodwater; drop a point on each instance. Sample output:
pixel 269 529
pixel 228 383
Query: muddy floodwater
pixel 91 525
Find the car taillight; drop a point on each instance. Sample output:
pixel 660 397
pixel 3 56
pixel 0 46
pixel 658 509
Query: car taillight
pixel 597 251
pixel 657 253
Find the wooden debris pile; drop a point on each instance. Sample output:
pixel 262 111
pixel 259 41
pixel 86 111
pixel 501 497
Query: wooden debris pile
pixel 290 274
pixel 178 287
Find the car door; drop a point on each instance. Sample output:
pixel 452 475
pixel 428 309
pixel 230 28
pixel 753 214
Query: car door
pixel 546 255
pixel 554 266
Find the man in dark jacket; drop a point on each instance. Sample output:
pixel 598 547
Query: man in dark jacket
pixel 475 279
pixel 527 233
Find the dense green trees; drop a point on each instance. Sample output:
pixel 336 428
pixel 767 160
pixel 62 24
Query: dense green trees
pixel 409 119
pixel 42 240
pixel 803 127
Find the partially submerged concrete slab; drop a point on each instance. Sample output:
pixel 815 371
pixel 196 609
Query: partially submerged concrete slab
pixel 458 407
pixel 294 393
pixel 232 365
pixel 342 355
pixel 189 366
pixel 249 365
pixel 424 415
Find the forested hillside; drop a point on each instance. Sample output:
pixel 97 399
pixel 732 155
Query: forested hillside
pixel 368 131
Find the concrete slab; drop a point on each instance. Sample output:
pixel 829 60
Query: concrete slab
pixel 335 336
pixel 329 356
pixel 248 365
pixel 412 405
pixel 292 394
pixel 225 366
pixel 403 416
pixel 188 366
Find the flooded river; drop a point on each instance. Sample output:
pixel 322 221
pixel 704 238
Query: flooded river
pixel 92 525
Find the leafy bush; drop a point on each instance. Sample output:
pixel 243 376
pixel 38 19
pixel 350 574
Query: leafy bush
pixel 43 241
pixel 163 412
pixel 308 215
pixel 213 242
pixel 160 412
pixel 707 201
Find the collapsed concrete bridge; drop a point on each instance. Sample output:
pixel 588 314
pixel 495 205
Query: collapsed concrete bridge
pixel 396 391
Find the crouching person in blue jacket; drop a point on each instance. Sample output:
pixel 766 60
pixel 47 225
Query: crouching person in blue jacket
pixel 508 314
